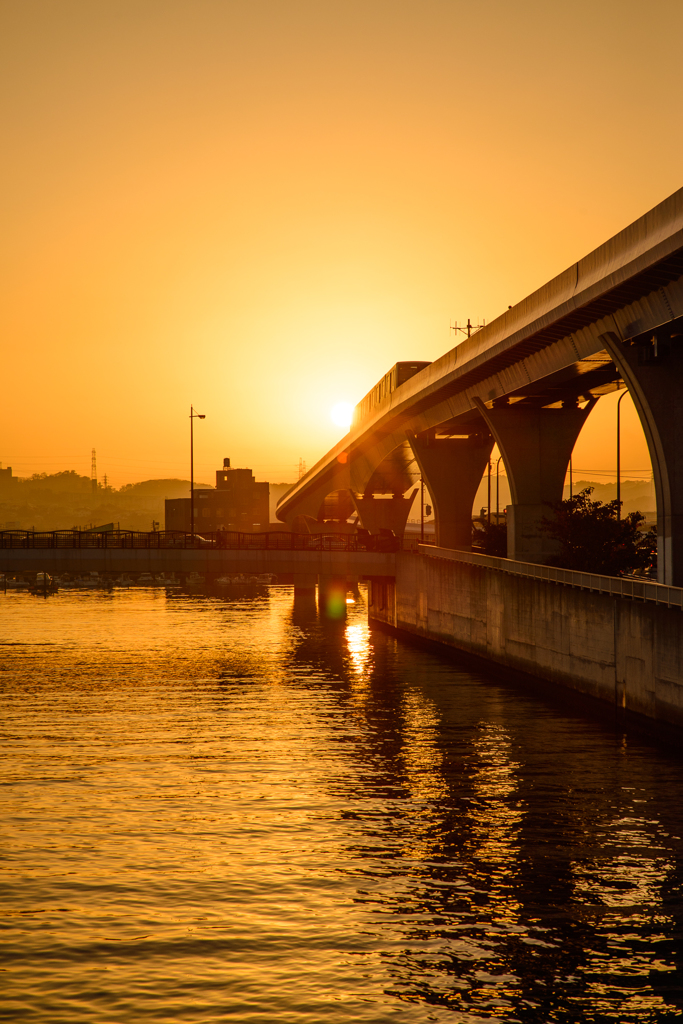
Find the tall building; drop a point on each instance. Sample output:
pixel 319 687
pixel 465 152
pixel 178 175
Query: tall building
pixel 237 503
pixel 6 478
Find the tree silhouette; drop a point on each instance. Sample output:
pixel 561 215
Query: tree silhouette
pixel 593 538
pixel 490 537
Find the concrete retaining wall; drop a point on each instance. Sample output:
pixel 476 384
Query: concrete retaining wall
pixel 614 648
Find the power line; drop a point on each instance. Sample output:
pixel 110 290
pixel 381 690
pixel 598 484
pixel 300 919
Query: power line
pixel 611 472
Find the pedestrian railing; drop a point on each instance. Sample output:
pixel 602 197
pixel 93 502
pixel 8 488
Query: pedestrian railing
pixel 618 586
pixel 222 539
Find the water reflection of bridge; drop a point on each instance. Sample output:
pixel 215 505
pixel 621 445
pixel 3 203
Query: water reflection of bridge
pixel 467 801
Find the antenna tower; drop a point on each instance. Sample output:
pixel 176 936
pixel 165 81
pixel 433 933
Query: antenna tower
pixel 93 472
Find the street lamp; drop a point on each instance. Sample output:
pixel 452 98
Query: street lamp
pixel 498 489
pixel 488 510
pixel 619 453
pixel 193 416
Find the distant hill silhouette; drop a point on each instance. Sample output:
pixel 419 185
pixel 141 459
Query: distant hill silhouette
pixel 61 501
pixel 166 488
pixel 636 495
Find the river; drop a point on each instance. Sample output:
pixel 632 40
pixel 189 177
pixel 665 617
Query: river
pixel 225 808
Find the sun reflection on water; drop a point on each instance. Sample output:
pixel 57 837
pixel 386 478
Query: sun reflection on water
pixel 358 644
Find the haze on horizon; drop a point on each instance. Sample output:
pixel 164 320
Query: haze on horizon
pixel 259 207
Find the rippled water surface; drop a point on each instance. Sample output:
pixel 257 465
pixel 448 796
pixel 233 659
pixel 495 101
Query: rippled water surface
pixel 232 810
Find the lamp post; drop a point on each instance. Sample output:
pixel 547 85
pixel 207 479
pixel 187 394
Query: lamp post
pixel 488 510
pixel 193 416
pixel 619 454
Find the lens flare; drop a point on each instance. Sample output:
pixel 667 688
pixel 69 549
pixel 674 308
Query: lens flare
pixel 341 414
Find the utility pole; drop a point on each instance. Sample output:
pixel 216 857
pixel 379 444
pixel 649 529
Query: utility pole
pixel 619 453
pixel 93 472
pixel 488 510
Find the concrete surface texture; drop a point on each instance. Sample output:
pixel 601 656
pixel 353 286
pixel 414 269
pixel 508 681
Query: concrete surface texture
pixel 622 651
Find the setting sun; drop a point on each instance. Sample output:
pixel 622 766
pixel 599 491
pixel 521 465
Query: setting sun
pixel 342 414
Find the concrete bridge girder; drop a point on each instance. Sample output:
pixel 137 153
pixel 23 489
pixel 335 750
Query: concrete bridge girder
pixel 353 472
pixel 452 468
pixel 536 445
pixel 366 459
pixel 311 502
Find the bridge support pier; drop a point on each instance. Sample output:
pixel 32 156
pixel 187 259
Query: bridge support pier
pixel 452 468
pixel 332 596
pixel 304 584
pixel 536 445
pixel 651 364
pixel 384 513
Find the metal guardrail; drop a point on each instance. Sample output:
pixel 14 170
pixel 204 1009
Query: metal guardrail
pixel 170 539
pixel 617 586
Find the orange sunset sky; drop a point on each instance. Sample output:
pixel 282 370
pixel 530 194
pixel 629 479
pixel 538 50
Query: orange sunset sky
pixel 259 206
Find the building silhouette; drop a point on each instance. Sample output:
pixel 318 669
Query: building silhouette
pixel 238 502
pixel 6 478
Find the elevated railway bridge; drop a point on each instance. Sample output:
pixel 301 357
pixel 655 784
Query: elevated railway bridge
pixel 526 381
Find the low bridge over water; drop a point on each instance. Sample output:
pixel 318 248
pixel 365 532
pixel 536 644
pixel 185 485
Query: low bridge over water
pixel 304 557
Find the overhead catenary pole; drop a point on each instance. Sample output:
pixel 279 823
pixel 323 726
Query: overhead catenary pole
pixel 468 328
pixel 488 510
